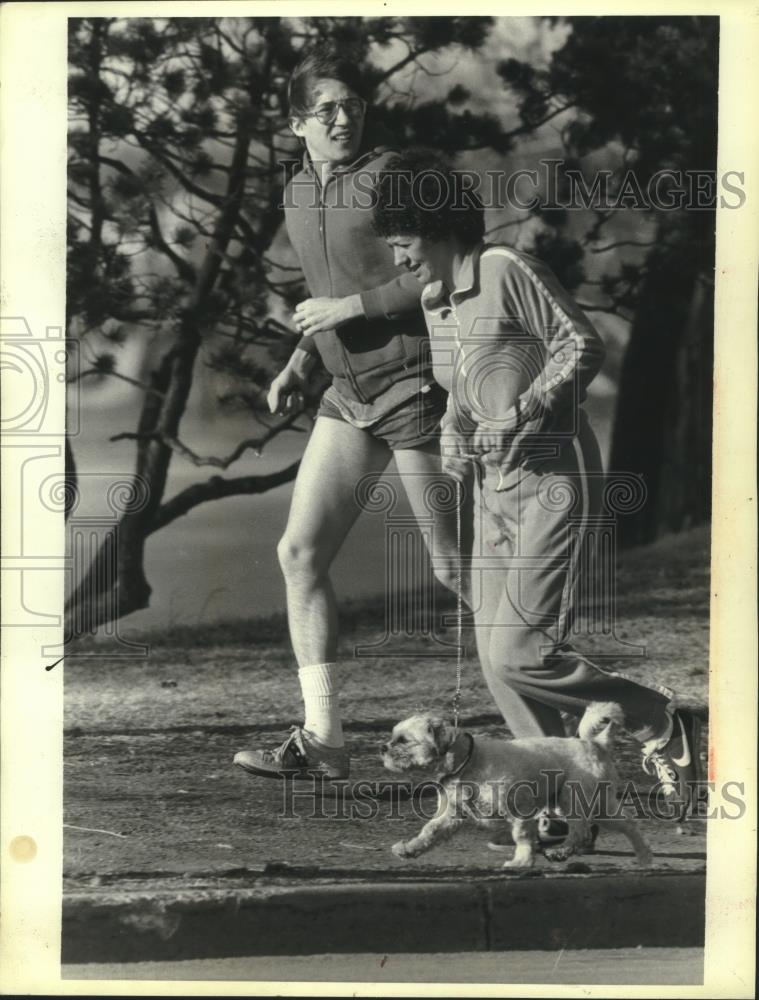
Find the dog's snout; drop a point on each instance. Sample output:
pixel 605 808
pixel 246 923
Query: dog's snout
pixel 384 747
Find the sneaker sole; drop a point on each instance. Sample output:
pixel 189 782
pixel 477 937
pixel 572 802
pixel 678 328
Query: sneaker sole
pixel 289 775
pixel 688 805
pixel 542 843
pixel 693 733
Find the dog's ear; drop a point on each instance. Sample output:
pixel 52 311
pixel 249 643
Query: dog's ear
pixel 441 733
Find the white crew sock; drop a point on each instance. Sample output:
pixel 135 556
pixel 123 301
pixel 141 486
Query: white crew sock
pixel 320 684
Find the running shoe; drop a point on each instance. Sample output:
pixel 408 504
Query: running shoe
pixel 301 755
pixel 552 831
pixel 676 763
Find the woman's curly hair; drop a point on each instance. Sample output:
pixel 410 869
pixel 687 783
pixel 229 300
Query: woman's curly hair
pixel 419 193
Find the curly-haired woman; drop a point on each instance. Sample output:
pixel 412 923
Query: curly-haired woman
pixel 516 354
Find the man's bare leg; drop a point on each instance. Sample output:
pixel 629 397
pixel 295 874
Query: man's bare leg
pixel 420 471
pixel 323 510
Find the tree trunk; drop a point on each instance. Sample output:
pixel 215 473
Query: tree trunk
pixel 115 583
pixel 664 409
pixel 686 473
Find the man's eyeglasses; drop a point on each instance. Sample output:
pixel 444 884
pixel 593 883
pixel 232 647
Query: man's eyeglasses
pixel 326 113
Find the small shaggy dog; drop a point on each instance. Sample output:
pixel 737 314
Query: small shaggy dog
pixel 493 781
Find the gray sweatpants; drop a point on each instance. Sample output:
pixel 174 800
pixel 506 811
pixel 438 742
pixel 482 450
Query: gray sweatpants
pixel 527 547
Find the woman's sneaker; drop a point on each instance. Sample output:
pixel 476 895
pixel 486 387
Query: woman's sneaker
pixel 301 755
pixel 552 831
pixel 676 763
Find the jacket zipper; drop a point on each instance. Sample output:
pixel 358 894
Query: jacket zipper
pixel 323 232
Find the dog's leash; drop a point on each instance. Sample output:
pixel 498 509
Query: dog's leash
pixel 459 610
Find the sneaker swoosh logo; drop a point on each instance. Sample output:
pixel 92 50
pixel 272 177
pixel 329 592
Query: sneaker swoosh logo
pixel 685 760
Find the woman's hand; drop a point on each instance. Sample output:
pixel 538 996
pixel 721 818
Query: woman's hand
pixel 316 315
pixel 455 453
pixel 510 448
pixel 459 469
pixel 492 442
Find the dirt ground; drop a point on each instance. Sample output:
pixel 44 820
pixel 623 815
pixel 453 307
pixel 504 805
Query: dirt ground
pixel 151 793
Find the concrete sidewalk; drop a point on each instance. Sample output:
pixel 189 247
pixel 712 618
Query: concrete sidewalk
pixel 317 916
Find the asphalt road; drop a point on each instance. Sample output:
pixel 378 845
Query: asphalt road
pixel 619 966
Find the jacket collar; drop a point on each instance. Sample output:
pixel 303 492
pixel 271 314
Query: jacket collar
pixel 435 294
pixel 363 156
pixel 469 275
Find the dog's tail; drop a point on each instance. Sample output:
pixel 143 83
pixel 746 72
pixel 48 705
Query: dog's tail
pixel 600 721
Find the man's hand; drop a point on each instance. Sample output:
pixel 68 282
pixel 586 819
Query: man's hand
pixel 316 315
pixel 286 391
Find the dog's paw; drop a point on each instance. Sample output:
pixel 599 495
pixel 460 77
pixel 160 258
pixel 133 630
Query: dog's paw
pixel 558 853
pixel 401 850
pixel 519 863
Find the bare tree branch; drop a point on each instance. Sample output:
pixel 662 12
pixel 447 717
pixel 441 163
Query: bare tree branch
pixel 255 445
pixel 413 54
pixel 529 127
pixel 181 176
pixel 184 269
pixel 123 378
pixel 624 243
pixel 216 488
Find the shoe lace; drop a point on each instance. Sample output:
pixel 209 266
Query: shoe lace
pixel 657 764
pixel 293 742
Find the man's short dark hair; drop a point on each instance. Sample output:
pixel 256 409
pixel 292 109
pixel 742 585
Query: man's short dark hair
pixel 420 194
pixel 321 63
